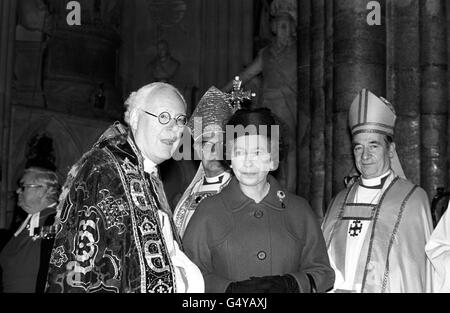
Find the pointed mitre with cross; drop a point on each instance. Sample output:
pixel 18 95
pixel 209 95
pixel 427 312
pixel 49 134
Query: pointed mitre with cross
pixel 215 109
pixel 371 114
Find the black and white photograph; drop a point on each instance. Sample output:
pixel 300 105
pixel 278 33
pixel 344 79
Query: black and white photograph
pixel 228 151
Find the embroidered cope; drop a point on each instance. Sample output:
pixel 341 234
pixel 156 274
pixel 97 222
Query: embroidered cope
pixel 114 234
pixel 200 188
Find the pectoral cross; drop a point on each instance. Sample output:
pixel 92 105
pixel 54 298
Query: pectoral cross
pixel 238 95
pixel 355 228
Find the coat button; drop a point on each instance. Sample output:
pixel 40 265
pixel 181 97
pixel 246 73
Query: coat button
pixel 261 255
pixel 258 214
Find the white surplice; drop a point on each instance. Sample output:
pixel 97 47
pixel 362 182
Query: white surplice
pixel 355 243
pixel 438 252
pixel 188 277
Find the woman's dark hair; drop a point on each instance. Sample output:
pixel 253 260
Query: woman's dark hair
pixel 257 118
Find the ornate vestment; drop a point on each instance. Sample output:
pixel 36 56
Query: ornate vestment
pixel 112 238
pixel 194 194
pixel 392 257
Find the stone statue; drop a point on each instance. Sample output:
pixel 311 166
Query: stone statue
pixel 33 15
pixel 277 63
pixel 164 67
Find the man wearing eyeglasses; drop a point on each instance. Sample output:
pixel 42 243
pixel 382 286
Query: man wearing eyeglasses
pixel 24 260
pixel 116 231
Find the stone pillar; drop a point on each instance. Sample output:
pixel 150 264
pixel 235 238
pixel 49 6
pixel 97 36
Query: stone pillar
pixel 360 62
pixel 303 179
pixel 239 33
pixel 318 122
pixel 448 77
pixel 226 41
pixel 403 87
pixel 7 37
pixel 329 81
pixel 433 91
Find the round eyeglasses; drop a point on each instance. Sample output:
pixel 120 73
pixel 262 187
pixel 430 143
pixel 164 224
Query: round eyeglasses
pixel 165 117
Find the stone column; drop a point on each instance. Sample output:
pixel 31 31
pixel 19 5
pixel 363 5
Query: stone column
pixel 329 81
pixel 433 91
pixel 7 37
pixel 403 74
pixel 303 179
pixel 448 78
pixel 318 122
pixel 226 41
pixel 359 62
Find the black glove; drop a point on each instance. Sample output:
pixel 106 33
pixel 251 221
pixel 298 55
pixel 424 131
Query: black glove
pixel 253 285
pixel 278 284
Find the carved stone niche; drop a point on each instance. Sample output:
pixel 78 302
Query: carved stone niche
pixel 78 60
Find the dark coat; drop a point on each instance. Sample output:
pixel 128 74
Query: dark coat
pixel 24 261
pixel 231 238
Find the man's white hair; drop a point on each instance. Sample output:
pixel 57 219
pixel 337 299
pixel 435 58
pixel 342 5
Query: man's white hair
pixel 48 178
pixel 137 98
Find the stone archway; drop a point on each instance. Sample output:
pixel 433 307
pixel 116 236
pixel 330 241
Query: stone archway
pixel 66 147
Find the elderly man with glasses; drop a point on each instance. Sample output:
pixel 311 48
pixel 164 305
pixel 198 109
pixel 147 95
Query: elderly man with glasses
pixel 24 260
pixel 117 233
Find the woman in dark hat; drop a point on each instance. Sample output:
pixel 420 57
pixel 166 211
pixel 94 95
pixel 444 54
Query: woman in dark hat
pixel 255 236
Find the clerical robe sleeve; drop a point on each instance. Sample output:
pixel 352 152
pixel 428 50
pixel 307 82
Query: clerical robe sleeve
pixel 438 251
pixel 188 276
pixel 304 225
pixel 89 252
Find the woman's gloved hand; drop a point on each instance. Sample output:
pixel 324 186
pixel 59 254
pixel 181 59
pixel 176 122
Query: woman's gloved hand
pixel 252 285
pixel 266 284
pixel 279 284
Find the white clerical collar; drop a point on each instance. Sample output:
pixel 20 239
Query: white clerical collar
pixel 150 166
pixel 33 221
pixel 216 179
pixel 376 181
